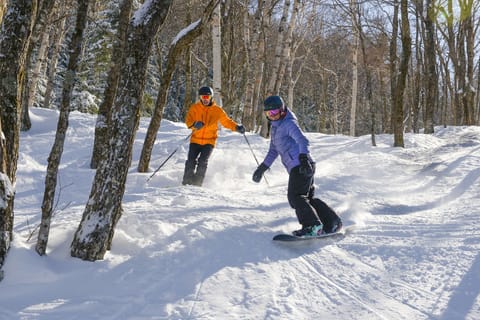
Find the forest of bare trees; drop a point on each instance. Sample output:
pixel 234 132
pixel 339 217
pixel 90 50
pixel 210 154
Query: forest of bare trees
pixel 344 66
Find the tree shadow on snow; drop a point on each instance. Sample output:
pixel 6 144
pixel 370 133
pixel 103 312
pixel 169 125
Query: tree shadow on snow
pixel 193 254
pixel 464 296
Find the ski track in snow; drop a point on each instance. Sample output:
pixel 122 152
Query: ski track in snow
pixel 184 252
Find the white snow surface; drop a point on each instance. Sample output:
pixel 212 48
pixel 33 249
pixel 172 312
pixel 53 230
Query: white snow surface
pixel 185 252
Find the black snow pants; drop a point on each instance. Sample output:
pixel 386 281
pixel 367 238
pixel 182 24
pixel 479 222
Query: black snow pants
pixel 196 164
pixel 309 210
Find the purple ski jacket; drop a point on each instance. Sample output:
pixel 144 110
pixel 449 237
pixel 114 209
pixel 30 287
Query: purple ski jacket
pixel 287 141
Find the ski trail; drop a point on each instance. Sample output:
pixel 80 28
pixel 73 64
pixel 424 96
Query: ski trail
pixel 194 300
pixel 343 291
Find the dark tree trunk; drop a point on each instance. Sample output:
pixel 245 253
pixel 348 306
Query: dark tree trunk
pixel 469 92
pixel 55 156
pixel 103 210
pixel 15 32
pixel 105 110
pixel 393 59
pixel 431 78
pixel 402 77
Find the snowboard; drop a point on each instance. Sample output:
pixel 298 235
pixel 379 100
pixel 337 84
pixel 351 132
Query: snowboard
pixel 290 237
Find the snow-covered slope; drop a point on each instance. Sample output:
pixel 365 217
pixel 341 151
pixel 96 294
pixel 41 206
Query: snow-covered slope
pixel 206 253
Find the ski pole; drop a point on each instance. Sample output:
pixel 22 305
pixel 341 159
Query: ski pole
pixel 254 156
pixel 168 158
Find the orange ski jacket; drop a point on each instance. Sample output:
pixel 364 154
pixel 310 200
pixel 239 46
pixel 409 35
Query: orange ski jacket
pixel 210 116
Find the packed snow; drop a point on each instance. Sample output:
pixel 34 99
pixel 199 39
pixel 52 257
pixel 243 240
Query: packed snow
pixel 186 252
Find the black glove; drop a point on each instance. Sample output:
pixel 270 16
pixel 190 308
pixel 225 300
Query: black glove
pixel 258 174
pixel 198 125
pixel 240 129
pixel 306 168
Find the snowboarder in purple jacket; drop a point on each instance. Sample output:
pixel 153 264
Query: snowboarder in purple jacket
pixel 288 141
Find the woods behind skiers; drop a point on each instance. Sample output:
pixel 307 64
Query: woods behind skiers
pixel 288 141
pixel 203 118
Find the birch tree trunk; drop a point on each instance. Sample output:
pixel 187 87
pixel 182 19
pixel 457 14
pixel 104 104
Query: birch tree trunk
pixel 188 66
pixel 105 109
pixel 257 88
pixel 56 37
pixel 282 32
pixel 217 54
pixel 31 89
pixel 3 7
pixel 461 51
pixel 188 81
pixel 270 88
pixel 353 105
pixel 370 106
pixel 291 79
pixel 417 95
pixel 15 32
pixel 287 46
pixel 448 87
pixel 450 35
pixel 180 44
pixel 477 96
pixel 55 156
pixel 103 209
pixel 259 71
pixel 34 62
pixel 253 43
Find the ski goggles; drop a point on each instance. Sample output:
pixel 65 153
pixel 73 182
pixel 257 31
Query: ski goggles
pixel 273 113
pixel 205 97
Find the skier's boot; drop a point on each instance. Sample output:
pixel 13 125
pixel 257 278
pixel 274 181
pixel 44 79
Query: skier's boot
pixel 335 226
pixel 309 231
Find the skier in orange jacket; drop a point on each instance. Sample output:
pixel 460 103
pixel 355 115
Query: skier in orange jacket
pixel 203 117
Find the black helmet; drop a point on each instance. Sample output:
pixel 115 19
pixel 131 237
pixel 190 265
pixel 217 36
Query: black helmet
pixel 205 91
pixel 273 103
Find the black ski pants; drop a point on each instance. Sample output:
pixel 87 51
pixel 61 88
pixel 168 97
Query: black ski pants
pixel 196 164
pixel 309 210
